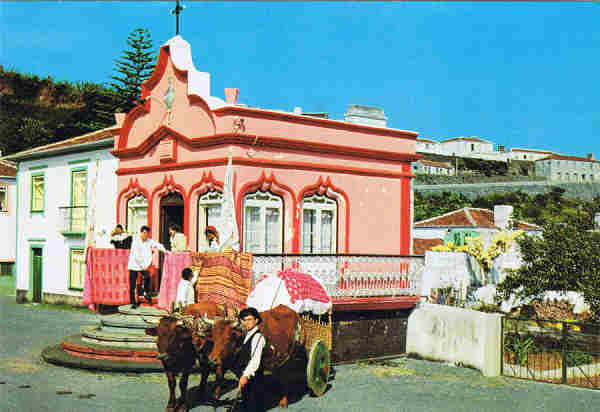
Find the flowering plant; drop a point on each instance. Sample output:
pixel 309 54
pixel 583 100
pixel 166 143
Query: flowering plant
pixel 474 246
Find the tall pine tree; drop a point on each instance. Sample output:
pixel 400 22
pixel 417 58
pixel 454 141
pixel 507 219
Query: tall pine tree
pixel 133 68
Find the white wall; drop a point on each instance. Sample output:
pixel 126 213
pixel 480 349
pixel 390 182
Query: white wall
pixel 465 147
pixel 43 228
pixel 452 334
pixel 8 223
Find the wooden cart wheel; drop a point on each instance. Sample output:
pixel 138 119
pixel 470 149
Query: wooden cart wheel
pixel 317 370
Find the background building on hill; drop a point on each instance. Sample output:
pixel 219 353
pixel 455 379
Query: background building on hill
pixel 528 154
pixel 455 226
pixel 569 168
pixel 466 146
pixel 432 168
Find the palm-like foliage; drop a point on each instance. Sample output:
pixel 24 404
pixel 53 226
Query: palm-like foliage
pixel 132 69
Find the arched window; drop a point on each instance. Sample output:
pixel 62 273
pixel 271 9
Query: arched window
pixel 137 213
pixel 319 224
pixel 263 223
pixel 209 214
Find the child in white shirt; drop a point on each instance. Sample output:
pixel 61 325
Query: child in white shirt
pixel 185 289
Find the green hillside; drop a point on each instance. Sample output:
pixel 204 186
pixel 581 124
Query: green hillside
pixel 35 111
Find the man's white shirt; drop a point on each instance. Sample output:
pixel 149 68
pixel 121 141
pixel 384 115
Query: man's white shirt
pixel 256 348
pixel 140 256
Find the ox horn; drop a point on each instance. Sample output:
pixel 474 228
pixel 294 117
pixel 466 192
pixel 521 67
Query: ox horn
pixel 172 308
pixel 208 321
pixel 180 307
pixel 236 324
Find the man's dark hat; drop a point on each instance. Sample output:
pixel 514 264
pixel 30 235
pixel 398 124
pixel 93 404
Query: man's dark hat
pixel 211 229
pixel 250 311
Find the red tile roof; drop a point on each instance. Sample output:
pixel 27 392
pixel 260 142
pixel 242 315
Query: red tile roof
pixel 520 225
pixel 470 217
pixel 7 170
pixel 422 245
pixel 531 151
pixel 426 140
pixel 561 157
pixel 435 164
pixel 468 139
pixel 91 137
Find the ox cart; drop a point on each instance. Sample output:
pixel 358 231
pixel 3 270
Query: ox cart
pixel 292 334
pixel 308 297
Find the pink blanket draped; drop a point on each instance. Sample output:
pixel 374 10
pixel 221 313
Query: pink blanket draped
pixel 106 277
pixel 173 264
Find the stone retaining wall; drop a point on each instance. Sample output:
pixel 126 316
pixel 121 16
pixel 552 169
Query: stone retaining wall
pixel 585 191
pixel 456 335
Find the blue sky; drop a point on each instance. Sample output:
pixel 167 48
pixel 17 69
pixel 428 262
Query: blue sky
pixel 518 74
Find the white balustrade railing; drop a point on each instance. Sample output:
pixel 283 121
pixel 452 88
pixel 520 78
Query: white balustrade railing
pixel 348 276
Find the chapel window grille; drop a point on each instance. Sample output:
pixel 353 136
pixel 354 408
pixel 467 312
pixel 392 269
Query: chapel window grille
pixel 263 223
pixel 137 213
pixel 319 223
pixel 209 214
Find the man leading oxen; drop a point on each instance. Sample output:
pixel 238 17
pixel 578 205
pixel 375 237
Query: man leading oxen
pixel 236 350
pixel 176 340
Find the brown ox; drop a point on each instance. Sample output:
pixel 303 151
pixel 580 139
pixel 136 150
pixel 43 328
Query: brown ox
pixel 177 352
pixel 280 327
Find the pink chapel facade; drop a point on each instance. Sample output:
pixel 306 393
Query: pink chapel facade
pixel 301 184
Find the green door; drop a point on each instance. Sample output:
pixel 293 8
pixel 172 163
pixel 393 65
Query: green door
pixel 36 272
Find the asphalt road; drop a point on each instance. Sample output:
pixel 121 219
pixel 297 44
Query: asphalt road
pixel 29 384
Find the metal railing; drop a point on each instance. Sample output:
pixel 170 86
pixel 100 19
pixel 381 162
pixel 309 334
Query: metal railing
pixel 350 276
pixel 553 351
pixel 72 219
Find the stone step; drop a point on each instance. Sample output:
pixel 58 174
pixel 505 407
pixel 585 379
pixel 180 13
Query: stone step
pixel 129 338
pixel 74 351
pixel 119 322
pixel 143 310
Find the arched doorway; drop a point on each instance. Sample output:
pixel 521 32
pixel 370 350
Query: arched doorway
pixel 171 211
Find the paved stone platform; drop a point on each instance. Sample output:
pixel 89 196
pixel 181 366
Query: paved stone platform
pixel 116 343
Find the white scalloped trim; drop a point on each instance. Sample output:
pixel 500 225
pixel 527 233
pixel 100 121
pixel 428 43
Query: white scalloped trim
pixel 198 82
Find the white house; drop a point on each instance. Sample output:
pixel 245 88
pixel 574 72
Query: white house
pixel 427 146
pixel 528 154
pixel 429 167
pixel 466 146
pixel 468 221
pixel 8 219
pixel 569 168
pixel 55 186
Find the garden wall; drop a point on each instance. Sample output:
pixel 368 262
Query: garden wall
pixel 451 334
pixel 585 191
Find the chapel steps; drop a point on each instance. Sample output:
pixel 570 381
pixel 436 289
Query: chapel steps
pixel 117 343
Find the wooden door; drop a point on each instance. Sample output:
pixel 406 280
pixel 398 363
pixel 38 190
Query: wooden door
pixel 36 273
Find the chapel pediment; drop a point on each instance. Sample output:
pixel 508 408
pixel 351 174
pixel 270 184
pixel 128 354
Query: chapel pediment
pixel 176 96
